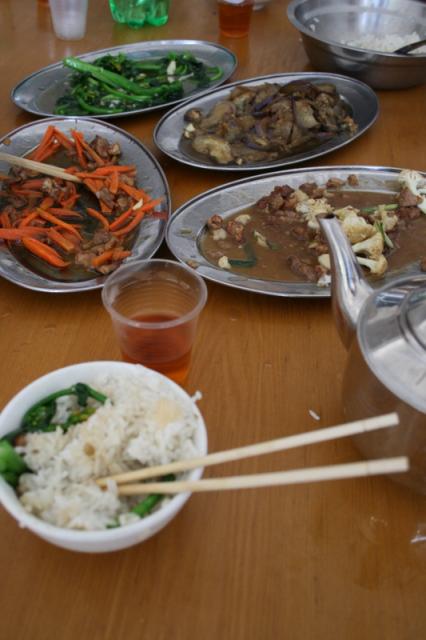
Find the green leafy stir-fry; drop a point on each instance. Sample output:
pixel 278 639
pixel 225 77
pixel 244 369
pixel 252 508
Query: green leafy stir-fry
pixel 112 84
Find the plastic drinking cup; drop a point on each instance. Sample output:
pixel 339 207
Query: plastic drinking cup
pixel 69 18
pixel 154 307
pixel 136 13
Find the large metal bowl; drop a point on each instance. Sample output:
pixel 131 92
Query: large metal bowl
pixel 325 24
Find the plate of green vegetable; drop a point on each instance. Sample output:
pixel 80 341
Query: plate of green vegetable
pixel 125 80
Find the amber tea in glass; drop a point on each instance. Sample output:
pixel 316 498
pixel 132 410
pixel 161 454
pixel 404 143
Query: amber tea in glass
pixel 154 306
pixel 235 17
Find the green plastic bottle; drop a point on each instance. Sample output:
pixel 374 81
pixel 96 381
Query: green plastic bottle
pixel 137 13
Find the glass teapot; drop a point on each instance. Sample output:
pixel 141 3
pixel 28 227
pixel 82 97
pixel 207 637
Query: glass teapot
pixel 385 333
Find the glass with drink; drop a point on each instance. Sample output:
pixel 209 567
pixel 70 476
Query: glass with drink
pixel 154 306
pixel 235 17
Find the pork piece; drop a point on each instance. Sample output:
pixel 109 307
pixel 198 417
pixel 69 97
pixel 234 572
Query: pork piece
pixel 312 189
pixel 101 241
pixel 123 203
pixel 235 230
pixel 353 180
pixel 407 199
pixel 106 196
pixel 104 149
pixel 334 183
pixel 214 222
pixel 302 269
pixel 409 213
pixel 52 188
pixel 214 147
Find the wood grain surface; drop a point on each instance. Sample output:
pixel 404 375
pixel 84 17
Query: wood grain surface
pixel 334 560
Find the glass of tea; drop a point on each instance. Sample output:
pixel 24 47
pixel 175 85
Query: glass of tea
pixel 154 307
pixel 234 17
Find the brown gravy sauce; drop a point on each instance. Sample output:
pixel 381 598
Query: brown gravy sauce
pixel 409 244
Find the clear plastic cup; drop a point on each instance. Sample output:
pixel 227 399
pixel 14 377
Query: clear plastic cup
pixel 69 18
pixel 154 307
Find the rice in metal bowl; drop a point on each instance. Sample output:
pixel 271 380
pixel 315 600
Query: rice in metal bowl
pixel 144 422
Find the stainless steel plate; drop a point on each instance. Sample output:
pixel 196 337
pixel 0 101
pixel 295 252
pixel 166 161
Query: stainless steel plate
pixel 185 227
pixel 362 100
pixel 39 92
pixel 150 176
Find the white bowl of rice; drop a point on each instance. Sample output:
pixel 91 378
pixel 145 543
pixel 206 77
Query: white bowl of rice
pixel 146 420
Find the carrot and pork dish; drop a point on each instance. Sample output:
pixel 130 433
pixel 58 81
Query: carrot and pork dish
pixel 87 227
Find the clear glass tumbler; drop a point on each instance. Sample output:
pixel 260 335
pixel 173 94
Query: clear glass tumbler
pixel 136 13
pixel 154 307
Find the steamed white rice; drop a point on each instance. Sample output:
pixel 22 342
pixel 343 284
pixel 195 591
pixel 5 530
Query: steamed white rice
pixel 143 423
pixel 387 43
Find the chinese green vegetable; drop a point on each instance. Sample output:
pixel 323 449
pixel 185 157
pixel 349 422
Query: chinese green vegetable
pixel 112 84
pixel 39 418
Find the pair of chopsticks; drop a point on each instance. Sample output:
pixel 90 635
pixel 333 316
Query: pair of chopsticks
pixel 127 483
pixel 41 167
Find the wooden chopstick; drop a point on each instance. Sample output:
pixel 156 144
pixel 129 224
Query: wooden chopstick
pixel 41 167
pixel 281 444
pixel 297 476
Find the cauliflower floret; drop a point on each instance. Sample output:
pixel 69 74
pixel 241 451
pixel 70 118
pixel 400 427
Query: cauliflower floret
pixel 357 228
pixel 261 240
pixel 415 182
pixel 372 247
pixel 311 208
pixel 300 196
pixel 345 212
pixel 324 261
pixel 219 234
pixel 243 218
pixel 223 262
pixel 377 267
pixel 388 220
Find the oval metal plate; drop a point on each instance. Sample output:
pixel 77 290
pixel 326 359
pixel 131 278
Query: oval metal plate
pixel 38 92
pixel 362 100
pixel 150 176
pixel 185 227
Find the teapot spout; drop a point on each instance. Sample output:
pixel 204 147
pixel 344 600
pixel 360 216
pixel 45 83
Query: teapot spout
pixel 349 290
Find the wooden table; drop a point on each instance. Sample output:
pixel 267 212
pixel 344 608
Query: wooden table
pixel 334 560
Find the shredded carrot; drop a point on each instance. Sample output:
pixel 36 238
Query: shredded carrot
pixel 137 194
pixel 18 234
pixel 98 216
pixel 132 224
pixel 79 149
pixel 33 184
pixel 48 151
pixel 63 140
pixel 43 251
pixel 28 218
pixel 113 182
pixel 63 211
pixel 102 258
pixel 87 148
pixel 48 134
pixel 46 203
pixel 59 239
pixel 114 168
pixel 66 225
pixel 122 218
pixel 5 220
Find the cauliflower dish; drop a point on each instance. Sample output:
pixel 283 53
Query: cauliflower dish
pixel 279 237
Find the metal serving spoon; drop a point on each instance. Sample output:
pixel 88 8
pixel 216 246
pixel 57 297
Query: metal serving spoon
pixel 410 47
